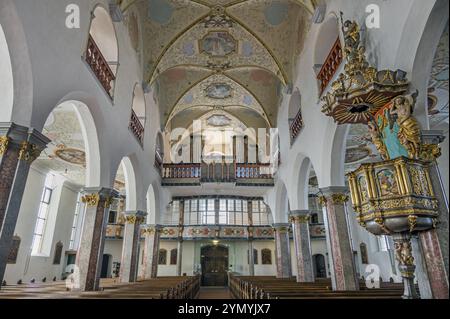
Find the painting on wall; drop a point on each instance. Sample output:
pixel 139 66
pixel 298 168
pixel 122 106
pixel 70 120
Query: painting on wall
pixel 387 182
pixel 58 253
pixel 218 120
pixel 173 256
pixel 266 256
pixel 71 155
pixel 218 44
pixel 218 91
pixel 14 250
pixel 162 257
pixel 363 187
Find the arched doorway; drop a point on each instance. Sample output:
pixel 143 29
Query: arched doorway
pixel 214 262
pixel 320 270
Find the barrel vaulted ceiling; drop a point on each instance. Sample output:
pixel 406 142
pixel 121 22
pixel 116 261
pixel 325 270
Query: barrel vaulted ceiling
pixel 236 56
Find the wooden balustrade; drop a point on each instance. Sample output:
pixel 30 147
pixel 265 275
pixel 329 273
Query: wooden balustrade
pixel 100 66
pixel 137 128
pixel 296 125
pixel 331 65
pixel 250 171
pixel 181 170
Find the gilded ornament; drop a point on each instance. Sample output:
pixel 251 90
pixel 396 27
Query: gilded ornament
pixel 412 221
pixel 322 201
pixel 148 231
pixel 28 152
pixel 303 219
pixel 131 219
pixel 4 142
pixel 91 200
pixel 404 253
pixel 108 201
pixel 339 199
pixel 430 152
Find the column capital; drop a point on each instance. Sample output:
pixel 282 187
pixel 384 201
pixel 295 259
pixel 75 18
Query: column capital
pixel 299 218
pixel 29 141
pixel 135 217
pixel 281 227
pixel 336 194
pixel 430 147
pixel 433 136
pixel 93 195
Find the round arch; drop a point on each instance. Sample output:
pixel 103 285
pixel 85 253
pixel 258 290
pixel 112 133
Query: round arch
pixel 281 203
pixel 300 182
pixel 418 56
pixel 104 34
pixel 294 104
pixel 138 104
pixel 326 38
pixel 16 68
pixel 152 204
pixel 128 167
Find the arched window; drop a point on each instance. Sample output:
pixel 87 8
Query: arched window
pixel 162 258
pixel 173 256
pixel 266 256
pixel 137 120
pixel 102 52
pixel 364 254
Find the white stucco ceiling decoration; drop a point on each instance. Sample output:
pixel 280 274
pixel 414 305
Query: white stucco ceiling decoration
pixel 200 96
pixel 246 40
pixel 65 154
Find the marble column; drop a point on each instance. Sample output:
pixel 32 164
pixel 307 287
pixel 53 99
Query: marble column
pixel 90 252
pixel 251 258
pixel 434 242
pixel 130 248
pixel 302 242
pixel 282 250
pixel 180 257
pixel 19 147
pixel 342 262
pixel 151 250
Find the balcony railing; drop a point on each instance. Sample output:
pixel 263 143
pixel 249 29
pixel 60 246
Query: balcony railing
pixel 296 125
pixel 137 128
pixel 239 173
pixel 330 66
pixel 100 66
pixel 181 171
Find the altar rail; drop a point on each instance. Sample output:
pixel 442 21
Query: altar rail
pixel 100 66
pixel 330 66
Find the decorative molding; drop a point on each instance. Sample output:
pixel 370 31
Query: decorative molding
pixel 4 142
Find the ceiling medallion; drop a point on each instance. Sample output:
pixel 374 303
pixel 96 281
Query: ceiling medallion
pixel 218 120
pixel 218 44
pixel 361 90
pixel 71 155
pixel 218 19
pixel 218 91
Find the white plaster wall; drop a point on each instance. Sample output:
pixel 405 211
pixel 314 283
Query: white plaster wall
pixel 62 207
pixel 113 247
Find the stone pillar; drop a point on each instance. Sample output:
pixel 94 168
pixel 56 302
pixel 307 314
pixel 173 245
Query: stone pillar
pixel 341 253
pixel 434 242
pixel 282 250
pixel 19 147
pixel 90 252
pixel 302 242
pixel 151 250
pixel 403 250
pixel 130 248
pixel 180 238
pixel 251 258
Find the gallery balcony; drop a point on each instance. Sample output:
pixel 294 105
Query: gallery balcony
pixel 240 174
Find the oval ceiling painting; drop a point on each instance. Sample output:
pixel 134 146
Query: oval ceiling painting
pixel 218 91
pixel 218 44
pixel 71 155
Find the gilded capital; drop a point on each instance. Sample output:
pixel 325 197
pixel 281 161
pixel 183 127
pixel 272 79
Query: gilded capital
pixel 91 200
pixel 302 219
pixel 28 152
pixel 4 142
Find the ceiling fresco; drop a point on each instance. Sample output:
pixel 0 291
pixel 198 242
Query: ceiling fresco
pixel 254 43
pixel 65 154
